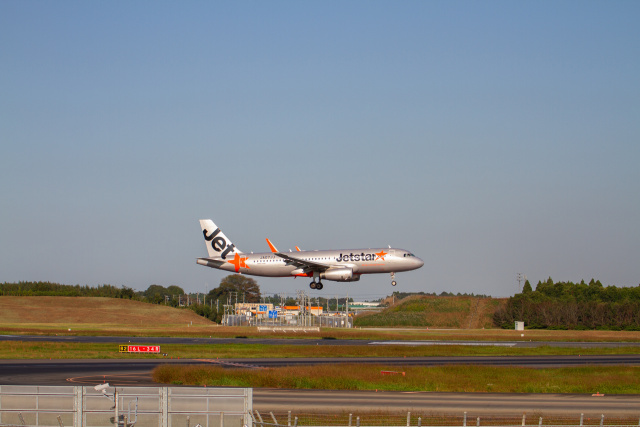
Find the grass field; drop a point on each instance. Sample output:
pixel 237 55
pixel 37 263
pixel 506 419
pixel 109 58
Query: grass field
pixel 86 310
pixel 609 380
pixel 431 311
pixel 56 350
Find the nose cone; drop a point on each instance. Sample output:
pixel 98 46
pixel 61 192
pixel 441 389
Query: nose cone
pixel 418 262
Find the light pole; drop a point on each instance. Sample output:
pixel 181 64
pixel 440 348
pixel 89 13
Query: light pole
pixel 519 280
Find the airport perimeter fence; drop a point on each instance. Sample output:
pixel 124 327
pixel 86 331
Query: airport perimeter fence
pixel 322 321
pixel 377 419
pixel 104 406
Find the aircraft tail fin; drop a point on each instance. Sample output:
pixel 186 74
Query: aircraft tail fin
pixel 218 245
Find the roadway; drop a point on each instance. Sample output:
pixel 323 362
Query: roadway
pixel 427 403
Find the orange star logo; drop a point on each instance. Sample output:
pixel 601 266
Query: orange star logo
pixel 381 255
pixel 239 262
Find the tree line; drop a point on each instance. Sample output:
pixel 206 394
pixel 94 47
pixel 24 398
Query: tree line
pixel 402 295
pixel 568 305
pixel 56 289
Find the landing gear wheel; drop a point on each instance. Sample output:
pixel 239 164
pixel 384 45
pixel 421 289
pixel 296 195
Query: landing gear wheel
pixel 313 285
pixel 393 283
pixel 319 286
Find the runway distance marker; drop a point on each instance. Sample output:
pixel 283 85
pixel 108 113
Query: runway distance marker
pixel 392 373
pixel 124 348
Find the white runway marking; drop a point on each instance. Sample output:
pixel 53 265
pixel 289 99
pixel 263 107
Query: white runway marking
pixel 472 343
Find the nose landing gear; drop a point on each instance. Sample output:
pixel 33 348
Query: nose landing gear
pixel 393 279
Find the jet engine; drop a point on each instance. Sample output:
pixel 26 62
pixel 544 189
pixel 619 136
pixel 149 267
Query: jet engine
pixel 340 275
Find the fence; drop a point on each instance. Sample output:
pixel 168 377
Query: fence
pixel 323 321
pixel 376 419
pixel 104 406
pixel 101 406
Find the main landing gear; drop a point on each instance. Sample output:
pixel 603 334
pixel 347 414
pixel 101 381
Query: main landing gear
pixel 314 285
pixel 393 279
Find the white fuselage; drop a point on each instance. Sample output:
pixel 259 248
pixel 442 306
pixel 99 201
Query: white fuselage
pixel 360 261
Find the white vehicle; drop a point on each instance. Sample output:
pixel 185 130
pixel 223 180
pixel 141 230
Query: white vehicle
pixel 339 265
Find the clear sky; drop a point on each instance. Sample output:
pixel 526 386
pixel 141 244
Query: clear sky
pixel 490 138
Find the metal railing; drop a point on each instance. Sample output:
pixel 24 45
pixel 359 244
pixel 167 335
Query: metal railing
pixel 124 406
pixel 324 321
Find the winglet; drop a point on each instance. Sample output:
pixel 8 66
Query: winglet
pixel 298 249
pixel 273 248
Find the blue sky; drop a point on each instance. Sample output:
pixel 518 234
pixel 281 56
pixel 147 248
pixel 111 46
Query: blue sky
pixel 489 138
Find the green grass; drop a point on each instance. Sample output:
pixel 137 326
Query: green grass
pixel 428 311
pixel 55 350
pixel 608 380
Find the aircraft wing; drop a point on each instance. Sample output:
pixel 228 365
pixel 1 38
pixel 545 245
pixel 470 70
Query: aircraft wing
pixel 303 263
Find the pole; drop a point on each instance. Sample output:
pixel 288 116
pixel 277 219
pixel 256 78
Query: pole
pixel 346 304
pixel 115 398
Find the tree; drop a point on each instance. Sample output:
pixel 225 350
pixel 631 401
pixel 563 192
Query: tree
pixel 245 288
pixel 527 289
pixel 175 290
pixel 155 294
pixel 126 293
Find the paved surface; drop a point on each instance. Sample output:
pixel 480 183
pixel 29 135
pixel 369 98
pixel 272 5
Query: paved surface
pixel 300 341
pixel 475 404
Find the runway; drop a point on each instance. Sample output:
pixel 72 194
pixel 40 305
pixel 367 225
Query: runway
pixel 312 341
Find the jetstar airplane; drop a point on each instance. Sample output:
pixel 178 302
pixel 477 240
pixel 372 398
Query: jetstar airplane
pixel 341 265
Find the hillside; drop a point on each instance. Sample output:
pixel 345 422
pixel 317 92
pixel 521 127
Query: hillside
pixel 87 310
pixel 435 311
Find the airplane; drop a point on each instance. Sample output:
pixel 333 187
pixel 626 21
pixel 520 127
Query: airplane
pixel 339 265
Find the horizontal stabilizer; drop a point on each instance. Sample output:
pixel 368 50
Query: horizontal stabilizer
pixel 213 263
